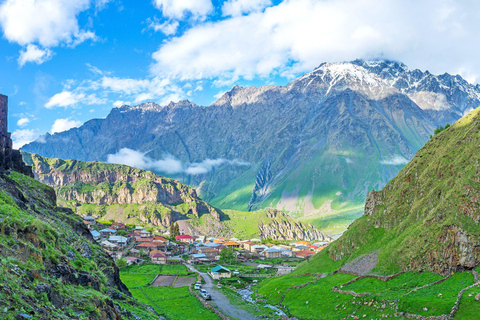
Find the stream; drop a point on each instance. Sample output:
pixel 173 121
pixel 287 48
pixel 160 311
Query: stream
pixel 246 295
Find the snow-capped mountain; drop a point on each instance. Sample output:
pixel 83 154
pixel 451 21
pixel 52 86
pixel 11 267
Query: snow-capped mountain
pixel 314 147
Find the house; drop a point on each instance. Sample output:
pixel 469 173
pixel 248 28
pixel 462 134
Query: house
pixel 90 222
pixel 160 238
pixel 200 239
pixel 198 257
pixel 118 226
pixel 232 244
pixel 144 239
pixel 210 253
pixel 107 232
pixel 300 248
pixel 95 234
pixel 257 248
pixel 218 241
pixel 282 270
pixel 118 239
pixel 108 244
pixel 132 260
pixel 303 243
pixel 271 253
pixel 304 254
pixel 255 240
pixel 284 252
pixel 316 248
pixel 220 272
pixel 247 245
pixel 139 228
pixel 185 238
pixel 145 234
pixel 158 257
pixel 146 246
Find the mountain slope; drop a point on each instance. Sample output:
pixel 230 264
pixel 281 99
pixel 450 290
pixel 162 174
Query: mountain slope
pixel 427 217
pixel 313 147
pixel 50 266
pixel 129 195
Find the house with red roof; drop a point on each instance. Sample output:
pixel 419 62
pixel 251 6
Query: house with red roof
pixel 186 238
pixel 304 254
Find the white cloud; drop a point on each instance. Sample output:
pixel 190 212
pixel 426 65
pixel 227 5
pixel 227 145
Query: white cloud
pixel 47 22
pixel 120 103
pixel 64 124
pixel 64 99
pixel 138 159
pixel 168 27
pixel 24 136
pixel 32 53
pixel 239 7
pixel 168 164
pixel 297 35
pixel 394 160
pixel 179 8
pixel 22 122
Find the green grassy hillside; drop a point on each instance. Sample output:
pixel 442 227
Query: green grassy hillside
pixel 50 267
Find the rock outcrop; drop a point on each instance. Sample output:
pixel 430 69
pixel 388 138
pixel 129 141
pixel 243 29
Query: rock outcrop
pixel 282 227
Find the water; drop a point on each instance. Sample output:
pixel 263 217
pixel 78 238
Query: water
pixel 246 295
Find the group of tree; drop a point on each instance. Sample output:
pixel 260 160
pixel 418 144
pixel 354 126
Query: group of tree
pixel 440 129
pixel 174 230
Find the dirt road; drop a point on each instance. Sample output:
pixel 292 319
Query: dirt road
pixel 221 301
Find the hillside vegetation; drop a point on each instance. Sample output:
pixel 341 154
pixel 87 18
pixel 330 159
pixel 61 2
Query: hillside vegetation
pixel 50 267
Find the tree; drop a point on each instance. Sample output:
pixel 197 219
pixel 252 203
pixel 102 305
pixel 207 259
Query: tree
pixel 174 230
pixel 440 129
pixel 122 233
pixel 227 256
pixel 121 263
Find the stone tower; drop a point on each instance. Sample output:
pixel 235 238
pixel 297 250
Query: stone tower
pixel 10 159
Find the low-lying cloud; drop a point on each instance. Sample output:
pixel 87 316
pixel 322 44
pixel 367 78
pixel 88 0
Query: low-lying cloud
pixel 168 164
pixel 394 160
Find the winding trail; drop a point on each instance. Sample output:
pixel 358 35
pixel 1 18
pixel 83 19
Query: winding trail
pixel 220 300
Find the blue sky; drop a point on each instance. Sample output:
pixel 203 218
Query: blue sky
pixel 64 62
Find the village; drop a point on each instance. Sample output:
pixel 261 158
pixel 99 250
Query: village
pixel 137 244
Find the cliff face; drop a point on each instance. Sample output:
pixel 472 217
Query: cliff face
pixel 427 217
pixel 102 184
pixel 284 228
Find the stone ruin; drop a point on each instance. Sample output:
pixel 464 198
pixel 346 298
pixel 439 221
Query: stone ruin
pixel 10 159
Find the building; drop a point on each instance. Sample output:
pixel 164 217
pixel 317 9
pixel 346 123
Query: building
pixel 132 260
pixel 303 243
pixel 198 257
pixel 146 246
pixel 145 234
pixel 95 234
pixel 185 238
pixel 300 248
pixel 220 272
pixel 158 257
pixel 304 254
pixel 271 253
pixel 90 222
pixel 210 253
pixel 118 226
pixel 247 245
pixel 258 248
pixel 107 232
pixel 232 244
pixel 160 238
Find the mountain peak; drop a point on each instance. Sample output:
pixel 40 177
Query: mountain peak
pixel 147 106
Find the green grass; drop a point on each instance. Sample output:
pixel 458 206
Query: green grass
pixel 273 289
pixel 136 280
pixel 174 269
pixel 174 303
pixel 396 287
pixel 317 301
pixel 431 299
pixel 469 308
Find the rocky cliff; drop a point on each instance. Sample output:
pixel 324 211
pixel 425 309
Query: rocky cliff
pixel 427 217
pixel 312 148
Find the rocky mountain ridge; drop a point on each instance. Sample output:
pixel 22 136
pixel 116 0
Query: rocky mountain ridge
pixel 315 147
pixel 126 194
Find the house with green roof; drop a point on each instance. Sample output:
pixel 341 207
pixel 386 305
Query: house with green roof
pixel 220 272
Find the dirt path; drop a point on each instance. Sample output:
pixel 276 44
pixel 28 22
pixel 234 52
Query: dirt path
pixel 221 301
